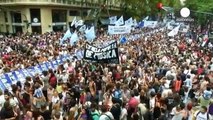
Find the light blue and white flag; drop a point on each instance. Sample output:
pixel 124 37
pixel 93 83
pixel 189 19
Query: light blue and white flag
pixel 174 31
pixel 79 23
pixel 83 28
pixel 146 18
pixel 129 22
pixel 90 34
pixel 120 21
pixel 74 21
pixel 112 19
pixel 74 38
pixel 135 23
pixel 67 35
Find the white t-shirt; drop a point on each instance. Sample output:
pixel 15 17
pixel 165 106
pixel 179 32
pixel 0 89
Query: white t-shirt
pixel 200 116
pixel 123 115
pixel 55 100
pixel 106 116
pixel 152 102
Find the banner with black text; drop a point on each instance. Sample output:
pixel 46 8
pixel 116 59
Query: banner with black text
pixel 108 54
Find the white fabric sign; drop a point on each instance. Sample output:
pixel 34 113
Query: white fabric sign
pixel 151 24
pixel 119 29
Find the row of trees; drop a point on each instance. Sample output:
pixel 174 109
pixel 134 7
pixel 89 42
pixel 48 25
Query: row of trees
pixel 201 10
pixel 142 8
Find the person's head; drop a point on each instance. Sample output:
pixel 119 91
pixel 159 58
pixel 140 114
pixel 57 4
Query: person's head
pixel 27 86
pixel 37 85
pixel 182 106
pixel 45 73
pixel 152 94
pixel 104 108
pixel 57 115
pixel 135 116
pixel 203 109
pixel 208 88
pixel 93 107
pixel 118 85
pixel 188 76
pixel 28 78
pixel 7 96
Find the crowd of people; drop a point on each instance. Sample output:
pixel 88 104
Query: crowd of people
pixel 158 78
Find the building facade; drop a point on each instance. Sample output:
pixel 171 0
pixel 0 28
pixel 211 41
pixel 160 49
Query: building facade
pixel 40 16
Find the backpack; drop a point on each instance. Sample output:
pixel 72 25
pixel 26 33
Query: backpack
pixel 91 115
pixel 206 116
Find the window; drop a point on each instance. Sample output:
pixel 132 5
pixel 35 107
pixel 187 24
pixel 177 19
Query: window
pixel 16 17
pixel 74 13
pixel 5 16
pixel 59 16
pixel 35 15
pixel 84 13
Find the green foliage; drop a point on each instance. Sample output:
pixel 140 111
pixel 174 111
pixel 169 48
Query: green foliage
pixel 142 8
pixel 198 8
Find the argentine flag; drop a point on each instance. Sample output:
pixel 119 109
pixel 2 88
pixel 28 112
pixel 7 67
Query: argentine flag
pixel 90 34
pixel 67 35
pixel 74 21
pixel 120 21
pixel 112 19
pixel 129 22
pixel 82 28
pixel 74 38
pixel 79 23
pixel 174 31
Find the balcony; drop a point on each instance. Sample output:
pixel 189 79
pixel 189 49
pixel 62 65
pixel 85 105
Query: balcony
pixel 68 3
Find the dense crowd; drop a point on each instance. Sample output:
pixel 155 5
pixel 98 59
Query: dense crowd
pixel 158 78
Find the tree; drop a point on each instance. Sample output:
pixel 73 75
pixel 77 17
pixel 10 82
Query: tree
pixel 201 10
pixel 143 8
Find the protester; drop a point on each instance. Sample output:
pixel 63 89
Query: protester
pixel 156 78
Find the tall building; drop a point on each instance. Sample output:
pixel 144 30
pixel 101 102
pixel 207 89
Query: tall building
pixel 42 16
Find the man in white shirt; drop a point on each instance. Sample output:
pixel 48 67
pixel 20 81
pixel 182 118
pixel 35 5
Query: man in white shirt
pixel 106 115
pixel 202 114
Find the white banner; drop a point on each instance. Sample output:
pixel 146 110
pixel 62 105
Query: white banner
pixel 151 24
pixel 119 29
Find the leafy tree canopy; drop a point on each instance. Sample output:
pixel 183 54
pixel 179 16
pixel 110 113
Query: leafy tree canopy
pixel 143 8
pixel 202 10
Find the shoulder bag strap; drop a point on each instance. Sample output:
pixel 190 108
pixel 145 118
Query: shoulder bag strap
pixel 108 116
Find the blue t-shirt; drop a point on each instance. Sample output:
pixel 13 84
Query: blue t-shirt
pixel 207 94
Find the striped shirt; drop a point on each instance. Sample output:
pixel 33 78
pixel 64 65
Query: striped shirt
pixel 38 93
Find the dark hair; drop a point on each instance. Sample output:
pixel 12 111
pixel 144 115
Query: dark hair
pixel 26 84
pixel 208 88
pixel 204 107
pixel 188 76
pixel 19 84
pixel 104 108
pixel 57 115
pixel 45 73
pixel 135 116
pixel 182 105
pixel 72 103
